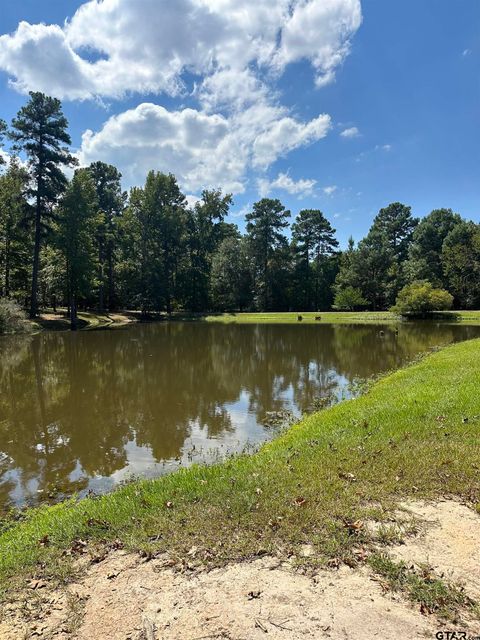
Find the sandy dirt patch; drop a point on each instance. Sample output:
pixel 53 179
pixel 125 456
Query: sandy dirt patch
pixel 127 598
pixel 449 542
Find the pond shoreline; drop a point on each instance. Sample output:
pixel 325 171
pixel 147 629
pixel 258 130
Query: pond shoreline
pixel 316 485
pixel 91 320
pixel 84 412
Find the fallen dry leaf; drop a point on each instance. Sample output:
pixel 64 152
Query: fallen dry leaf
pixel 353 527
pixel 347 476
pixel 300 501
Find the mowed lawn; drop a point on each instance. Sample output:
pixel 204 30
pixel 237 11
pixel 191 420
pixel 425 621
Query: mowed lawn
pixel 336 317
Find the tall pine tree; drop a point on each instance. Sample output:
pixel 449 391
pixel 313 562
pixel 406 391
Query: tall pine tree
pixel 315 240
pixel 40 130
pixel 111 201
pixel 264 226
pixel 78 211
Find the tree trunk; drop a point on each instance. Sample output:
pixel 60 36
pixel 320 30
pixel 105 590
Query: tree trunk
pixel 101 289
pixel 73 312
pixel 265 283
pixel 7 265
pixel 167 276
pixel 36 257
pixel 111 281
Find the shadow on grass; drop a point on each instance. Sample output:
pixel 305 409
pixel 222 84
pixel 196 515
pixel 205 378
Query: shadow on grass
pixel 194 316
pixel 58 323
pixel 432 316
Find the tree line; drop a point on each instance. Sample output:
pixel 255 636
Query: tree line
pixel 86 243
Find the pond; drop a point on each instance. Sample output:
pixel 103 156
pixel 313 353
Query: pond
pixel 86 411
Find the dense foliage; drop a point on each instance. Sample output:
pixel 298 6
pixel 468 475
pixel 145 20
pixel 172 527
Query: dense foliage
pixel 12 317
pixel 85 243
pixel 421 298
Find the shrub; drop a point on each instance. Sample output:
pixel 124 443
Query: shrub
pixel 348 299
pixel 12 317
pixel 421 298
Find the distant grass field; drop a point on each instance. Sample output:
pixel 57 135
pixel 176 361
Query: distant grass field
pixel 307 317
pixel 416 433
pixel 336 317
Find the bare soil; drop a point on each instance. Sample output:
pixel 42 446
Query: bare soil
pixel 449 542
pixel 127 598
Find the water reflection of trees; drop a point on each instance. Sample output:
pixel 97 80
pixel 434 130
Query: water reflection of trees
pixel 69 404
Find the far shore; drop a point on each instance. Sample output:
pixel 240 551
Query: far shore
pixel 90 320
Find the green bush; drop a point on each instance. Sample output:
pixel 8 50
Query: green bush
pixel 349 299
pixel 12 317
pixel 421 298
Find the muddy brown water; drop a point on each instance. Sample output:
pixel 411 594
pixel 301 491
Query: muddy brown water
pixel 86 411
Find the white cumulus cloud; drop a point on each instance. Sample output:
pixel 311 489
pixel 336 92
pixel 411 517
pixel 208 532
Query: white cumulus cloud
pixel 202 150
pixel 147 45
pixel 319 31
pixel 231 51
pixel 286 134
pixel 284 182
pixel 351 132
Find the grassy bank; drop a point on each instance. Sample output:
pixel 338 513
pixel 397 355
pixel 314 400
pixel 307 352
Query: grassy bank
pixel 59 321
pixel 336 317
pixel 360 317
pixel 416 433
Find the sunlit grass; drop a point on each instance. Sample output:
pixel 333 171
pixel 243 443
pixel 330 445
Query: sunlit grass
pixel 423 587
pixel 335 317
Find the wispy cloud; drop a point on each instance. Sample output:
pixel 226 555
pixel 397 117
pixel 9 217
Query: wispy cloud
pixel 351 132
pixel 330 190
pixel 284 182
pixel 241 213
pixel 378 148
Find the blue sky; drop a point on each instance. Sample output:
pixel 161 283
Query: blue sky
pixel 256 102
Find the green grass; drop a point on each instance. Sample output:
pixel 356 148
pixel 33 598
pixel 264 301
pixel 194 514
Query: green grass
pixel 334 317
pixel 423 587
pixel 415 433
pixel 467 317
pixel 307 317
